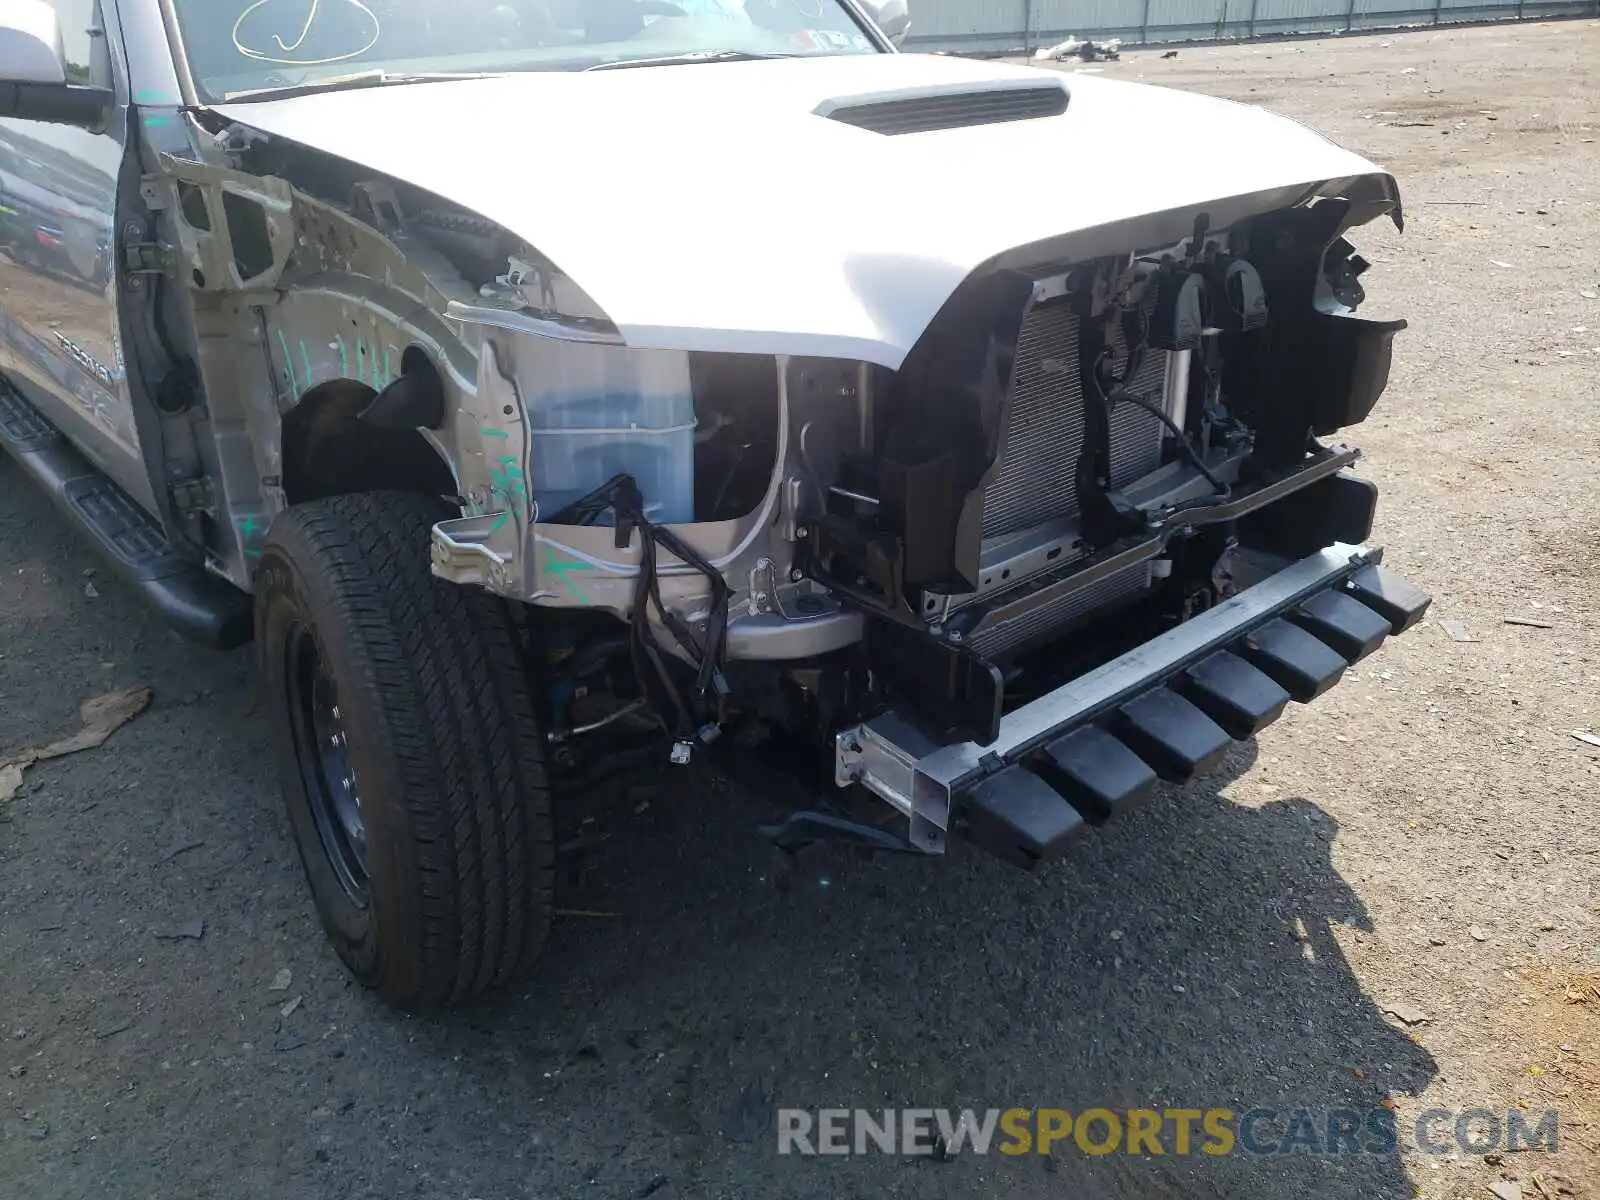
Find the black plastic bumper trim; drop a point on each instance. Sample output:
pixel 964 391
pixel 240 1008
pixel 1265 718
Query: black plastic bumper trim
pixel 1020 818
pixel 1346 624
pixel 1169 708
pixel 1099 775
pixel 1294 659
pixel 1380 589
pixel 1235 695
pixel 1172 735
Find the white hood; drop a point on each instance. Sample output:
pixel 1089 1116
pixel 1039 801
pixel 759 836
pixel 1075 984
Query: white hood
pixel 709 207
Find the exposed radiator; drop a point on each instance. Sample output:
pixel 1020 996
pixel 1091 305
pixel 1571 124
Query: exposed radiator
pixel 996 640
pixel 1038 460
pixel 1036 476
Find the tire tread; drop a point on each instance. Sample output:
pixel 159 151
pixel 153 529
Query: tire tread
pixel 441 662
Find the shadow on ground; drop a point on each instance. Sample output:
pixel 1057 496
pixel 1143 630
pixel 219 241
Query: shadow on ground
pixel 1182 958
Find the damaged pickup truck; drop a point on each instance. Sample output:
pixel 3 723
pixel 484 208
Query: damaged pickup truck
pixel 551 385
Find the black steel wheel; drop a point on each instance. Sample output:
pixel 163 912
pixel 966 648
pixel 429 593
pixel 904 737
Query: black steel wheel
pixel 322 752
pixel 411 757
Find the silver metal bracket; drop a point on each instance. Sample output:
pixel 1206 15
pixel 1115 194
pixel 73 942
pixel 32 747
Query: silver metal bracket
pixel 375 201
pixel 882 756
pixel 460 552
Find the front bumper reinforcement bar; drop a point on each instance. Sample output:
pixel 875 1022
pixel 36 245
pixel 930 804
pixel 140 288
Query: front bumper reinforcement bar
pixel 1168 709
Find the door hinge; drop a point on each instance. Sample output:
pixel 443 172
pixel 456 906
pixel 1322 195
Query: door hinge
pixel 147 258
pixel 141 256
pixel 192 496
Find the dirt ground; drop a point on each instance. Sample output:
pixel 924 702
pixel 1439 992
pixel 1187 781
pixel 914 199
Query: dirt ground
pixel 1423 839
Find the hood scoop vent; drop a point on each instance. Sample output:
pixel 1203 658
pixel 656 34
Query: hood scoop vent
pixel 929 111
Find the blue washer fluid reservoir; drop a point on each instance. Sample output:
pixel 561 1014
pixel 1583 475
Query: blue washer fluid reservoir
pixel 595 411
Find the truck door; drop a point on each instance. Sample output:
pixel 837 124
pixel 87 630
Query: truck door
pixel 58 284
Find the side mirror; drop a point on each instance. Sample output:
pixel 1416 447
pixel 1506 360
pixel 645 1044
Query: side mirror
pixel 892 16
pixel 33 70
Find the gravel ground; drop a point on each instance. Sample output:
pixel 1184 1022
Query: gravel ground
pixel 1422 838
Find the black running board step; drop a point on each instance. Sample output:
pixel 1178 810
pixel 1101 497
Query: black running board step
pixel 1401 603
pixel 22 426
pixel 197 604
pixel 1346 624
pixel 1296 661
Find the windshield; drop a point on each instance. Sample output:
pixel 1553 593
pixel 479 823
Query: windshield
pixel 240 46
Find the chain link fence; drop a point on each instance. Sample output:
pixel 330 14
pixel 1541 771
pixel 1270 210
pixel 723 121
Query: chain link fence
pixel 1019 26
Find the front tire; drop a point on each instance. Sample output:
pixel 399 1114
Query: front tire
pixel 411 756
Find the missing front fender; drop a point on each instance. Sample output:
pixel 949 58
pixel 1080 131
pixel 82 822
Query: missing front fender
pixel 234 231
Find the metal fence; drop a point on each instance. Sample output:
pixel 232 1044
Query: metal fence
pixel 1011 26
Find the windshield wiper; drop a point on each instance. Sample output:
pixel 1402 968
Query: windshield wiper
pixel 688 56
pixel 363 79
